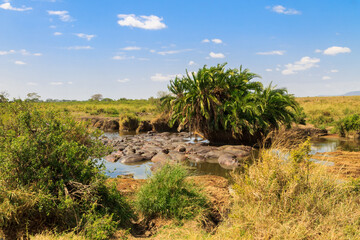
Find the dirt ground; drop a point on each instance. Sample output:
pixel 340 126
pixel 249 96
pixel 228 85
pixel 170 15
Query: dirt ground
pixel 346 164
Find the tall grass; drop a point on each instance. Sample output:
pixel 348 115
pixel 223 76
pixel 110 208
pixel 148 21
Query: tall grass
pixel 284 196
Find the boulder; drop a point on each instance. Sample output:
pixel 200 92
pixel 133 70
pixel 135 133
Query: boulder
pixel 228 160
pixel 133 158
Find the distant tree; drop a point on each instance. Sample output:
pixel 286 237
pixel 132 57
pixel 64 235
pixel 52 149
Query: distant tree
pixel 107 100
pixel 96 97
pixel 33 97
pixel 162 94
pixel 4 97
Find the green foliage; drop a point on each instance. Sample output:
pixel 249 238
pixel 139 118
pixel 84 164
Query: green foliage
pixel 50 175
pixel 167 194
pixel 226 106
pixel 348 124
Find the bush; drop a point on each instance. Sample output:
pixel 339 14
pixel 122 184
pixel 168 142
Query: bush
pixel 227 107
pixel 128 122
pixel 348 124
pixel 168 195
pixel 49 173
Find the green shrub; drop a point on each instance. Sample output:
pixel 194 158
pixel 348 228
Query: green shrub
pixel 168 195
pixel 348 124
pixel 227 106
pixel 49 173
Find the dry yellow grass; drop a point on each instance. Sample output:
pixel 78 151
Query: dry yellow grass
pixel 325 111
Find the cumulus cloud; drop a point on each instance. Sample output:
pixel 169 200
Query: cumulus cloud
pixel 163 53
pixel 326 78
pixel 191 63
pixel 304 64
pixel 159 77
pixel 63 15
pixel 7 6
pixel 275 52
pixel 131 48
pixel 2 53
pixel 56 83
pixel 151 22
pixel 216 40
pixel 123 80
pixel 336 50
pixel 86 36
pixel 283 10
pixel 80 48
pixel 216 55
pixel 20 63
pixel 57 34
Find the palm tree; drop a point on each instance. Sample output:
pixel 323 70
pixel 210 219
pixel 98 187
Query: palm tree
pixel 226 106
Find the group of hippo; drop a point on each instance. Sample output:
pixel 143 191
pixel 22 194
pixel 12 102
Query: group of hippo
pixel 167 147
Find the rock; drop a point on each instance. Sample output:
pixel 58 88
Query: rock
pixel 148 155
pixel 180 148
pixel 177 156
pixel 195 158
pixel 228 160
pixel 161 157
pixel 132 158
pixel 114 157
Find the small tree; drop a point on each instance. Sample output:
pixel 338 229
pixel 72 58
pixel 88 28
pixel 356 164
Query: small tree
pixel 4 97
pixel 96 97
pixel 33 97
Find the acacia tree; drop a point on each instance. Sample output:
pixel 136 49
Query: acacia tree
pixel 96 97
pixel 4 97
pixel 227 106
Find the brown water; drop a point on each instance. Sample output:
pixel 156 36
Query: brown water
pixel 142 170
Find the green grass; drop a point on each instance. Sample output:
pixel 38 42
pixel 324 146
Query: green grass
pixel 168 195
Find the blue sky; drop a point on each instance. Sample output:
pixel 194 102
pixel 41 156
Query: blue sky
pixel 73 49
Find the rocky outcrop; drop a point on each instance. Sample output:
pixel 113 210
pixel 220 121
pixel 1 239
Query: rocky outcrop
pixel 166 147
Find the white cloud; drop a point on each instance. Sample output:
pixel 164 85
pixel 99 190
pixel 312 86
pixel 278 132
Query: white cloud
pixel 334 70
pixel 6 52
pixel 123 80
pixel 20 63
pixel 152 51
pixel 318 51
pixel 283 10
pixel 80 48
pixel 63 15
pixel 57 34
pixel 326 78
pixel 131 48
pixel 151 22
pixel 304 64
pixel 275 52
pixel 191 63
pixel 163 53
pixel 268 70
pixel 205 40
pixel 158 77
pixel 56 83
pixel 24 52
pixel 86 36
pixel 143 59
pixel 122 57
pixel 216 40
pixel 52 26
pixel 31 83
pixel 216 55
pixel 37 54
pixel 70 83
pixel 336 50
pixel 7 6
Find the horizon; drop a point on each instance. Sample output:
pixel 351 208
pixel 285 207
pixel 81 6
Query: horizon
pixel 65 49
